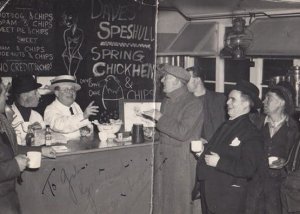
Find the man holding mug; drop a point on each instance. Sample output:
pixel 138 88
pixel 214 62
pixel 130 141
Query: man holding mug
pixel 233 155
pixel 12 159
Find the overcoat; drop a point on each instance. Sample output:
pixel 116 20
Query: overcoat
pixel 240 147
pixel 174 171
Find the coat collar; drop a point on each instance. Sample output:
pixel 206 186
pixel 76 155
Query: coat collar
pixel 227 131
pixel 176 94
pixel 241 117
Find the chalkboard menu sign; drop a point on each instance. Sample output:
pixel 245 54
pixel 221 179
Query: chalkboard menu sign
pixel 108 45
pixel 26 38
pixel 121 53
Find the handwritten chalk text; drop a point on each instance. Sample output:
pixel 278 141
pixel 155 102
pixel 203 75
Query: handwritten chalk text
pixel 133 70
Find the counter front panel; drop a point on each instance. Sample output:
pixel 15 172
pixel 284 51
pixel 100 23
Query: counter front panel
pixel 115 180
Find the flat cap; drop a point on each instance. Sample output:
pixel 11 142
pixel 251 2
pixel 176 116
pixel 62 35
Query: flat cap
pixel 176 71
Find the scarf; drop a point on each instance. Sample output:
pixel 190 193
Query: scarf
pixel 6 128
pixel 25 111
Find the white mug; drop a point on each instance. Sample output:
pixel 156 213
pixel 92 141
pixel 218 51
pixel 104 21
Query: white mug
pixel 272 159
pixel 35 158
pixel 197 146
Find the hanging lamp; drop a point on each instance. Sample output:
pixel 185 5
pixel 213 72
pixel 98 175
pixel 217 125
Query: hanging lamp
pixel 237 40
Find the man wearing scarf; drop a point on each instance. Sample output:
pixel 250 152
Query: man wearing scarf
pixel 26 97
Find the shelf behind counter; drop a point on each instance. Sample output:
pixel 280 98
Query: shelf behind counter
pixel 91 180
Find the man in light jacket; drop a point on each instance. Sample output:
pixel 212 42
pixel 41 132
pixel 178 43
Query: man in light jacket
pixel 64 115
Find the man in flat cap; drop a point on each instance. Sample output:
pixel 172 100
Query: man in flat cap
pixel 281 133
pixel 233 155
pixel 26 97
pixel 64 115
pixel 177 124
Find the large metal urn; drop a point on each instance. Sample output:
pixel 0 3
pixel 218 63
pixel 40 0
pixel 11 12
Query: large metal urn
pixel 293 76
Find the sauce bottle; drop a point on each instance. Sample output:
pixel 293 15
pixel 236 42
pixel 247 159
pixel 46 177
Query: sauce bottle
pixel 48 136
pixel 29 138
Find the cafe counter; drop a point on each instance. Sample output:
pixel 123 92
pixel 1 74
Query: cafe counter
pixel 91 178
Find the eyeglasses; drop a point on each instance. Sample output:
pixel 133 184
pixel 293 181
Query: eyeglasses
pixel 68 90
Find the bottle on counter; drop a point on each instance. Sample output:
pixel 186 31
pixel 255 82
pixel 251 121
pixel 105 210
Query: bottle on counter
pixel 29 138
pixel 48 136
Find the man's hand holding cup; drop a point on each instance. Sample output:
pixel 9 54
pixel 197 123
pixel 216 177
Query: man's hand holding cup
pixel 197 146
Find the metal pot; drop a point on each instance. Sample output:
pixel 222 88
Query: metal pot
pixel 276 79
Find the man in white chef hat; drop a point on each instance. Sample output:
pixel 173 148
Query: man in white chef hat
pixel 64 115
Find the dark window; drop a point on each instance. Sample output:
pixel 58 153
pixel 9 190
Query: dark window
pixel 209 67
pixel 236 70
pixel 275 67
pixel 210 86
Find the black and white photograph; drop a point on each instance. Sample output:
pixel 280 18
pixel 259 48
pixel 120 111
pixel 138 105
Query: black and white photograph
pixel 149 107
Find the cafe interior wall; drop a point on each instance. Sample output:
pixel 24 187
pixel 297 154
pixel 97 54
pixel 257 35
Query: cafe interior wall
pixel 278 50
pixel 170 23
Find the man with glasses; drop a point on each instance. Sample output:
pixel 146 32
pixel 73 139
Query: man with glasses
pixel 64 115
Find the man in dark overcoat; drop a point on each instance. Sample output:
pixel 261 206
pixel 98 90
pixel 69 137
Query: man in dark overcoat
pixel 233 155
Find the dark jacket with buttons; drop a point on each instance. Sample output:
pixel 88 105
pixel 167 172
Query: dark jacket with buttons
pixel 283 141
pixel 240 147
pixel 279 145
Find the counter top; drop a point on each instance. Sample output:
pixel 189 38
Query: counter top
pixel 88 145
